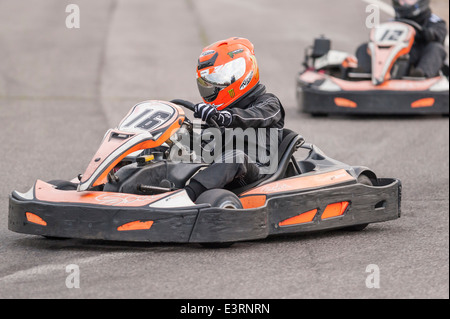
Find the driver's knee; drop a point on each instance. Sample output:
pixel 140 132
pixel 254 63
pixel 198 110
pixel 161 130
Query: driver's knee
pixel 432 59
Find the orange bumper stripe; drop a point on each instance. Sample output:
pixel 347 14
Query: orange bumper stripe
pixel 334 210
pixel 300 219
pixel 339 101
pixel 427 102
pixel 253 201
pixel 136 225
pixel 35 219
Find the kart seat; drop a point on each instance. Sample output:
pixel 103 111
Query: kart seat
pixel 290 143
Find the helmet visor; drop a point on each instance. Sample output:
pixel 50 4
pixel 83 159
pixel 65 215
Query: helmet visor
pixel 207 91
pixel 210 84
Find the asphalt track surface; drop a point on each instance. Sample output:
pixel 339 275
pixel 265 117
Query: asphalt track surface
pixel 61 89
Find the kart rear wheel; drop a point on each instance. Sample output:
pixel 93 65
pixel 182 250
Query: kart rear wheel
pixel 365 180
pixel 219 198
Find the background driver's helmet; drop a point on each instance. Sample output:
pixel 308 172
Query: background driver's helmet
pixel 410 9
pixel 227 70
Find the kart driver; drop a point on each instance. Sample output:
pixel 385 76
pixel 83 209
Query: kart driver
pixel 228 82
pixel 428 53
pixel 427 56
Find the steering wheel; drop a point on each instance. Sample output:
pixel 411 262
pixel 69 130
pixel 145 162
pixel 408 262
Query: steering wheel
pixel 412 23
pixel 191 106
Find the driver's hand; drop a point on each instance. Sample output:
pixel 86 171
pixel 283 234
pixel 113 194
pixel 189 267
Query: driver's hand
pixel 224 118
pixel 204 111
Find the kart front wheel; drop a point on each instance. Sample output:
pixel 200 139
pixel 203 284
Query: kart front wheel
pixel 219 198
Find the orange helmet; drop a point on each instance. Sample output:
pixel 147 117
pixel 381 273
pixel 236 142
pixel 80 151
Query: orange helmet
pixel 227 70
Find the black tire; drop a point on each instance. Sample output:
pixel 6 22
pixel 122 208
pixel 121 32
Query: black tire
pixel 222 199
pixel 63 185
pixel 365 180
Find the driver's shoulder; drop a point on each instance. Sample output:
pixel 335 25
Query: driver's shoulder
pixel 267 98
pixel 434 18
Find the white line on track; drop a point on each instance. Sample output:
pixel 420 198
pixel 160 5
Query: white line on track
pixel 45 270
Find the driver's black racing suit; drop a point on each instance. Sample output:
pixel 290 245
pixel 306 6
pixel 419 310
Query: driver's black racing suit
pixel 258 110
pixel 428 52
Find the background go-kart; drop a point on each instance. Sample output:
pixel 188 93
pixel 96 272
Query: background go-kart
pixel 60 89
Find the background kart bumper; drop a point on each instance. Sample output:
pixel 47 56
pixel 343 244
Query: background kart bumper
pixel 315 101
pixel 368 204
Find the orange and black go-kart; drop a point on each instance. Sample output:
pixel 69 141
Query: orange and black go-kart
pixel 335 82
pixel 132 191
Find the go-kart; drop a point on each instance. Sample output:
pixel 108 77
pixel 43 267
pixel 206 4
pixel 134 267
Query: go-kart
pixel 335 82
pixel 132 191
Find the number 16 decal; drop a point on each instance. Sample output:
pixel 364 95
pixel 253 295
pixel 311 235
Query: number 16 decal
pixel 148 119
pixel 153 121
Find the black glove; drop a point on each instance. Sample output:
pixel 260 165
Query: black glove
pixel 204 111
pixel 207 112
pixel 224 118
